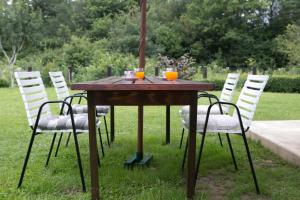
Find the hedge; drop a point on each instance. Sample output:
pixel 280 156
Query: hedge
pixel 3 83
pixel 275 84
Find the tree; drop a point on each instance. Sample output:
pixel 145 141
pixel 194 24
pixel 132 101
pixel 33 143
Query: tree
pixel 19 27
pixel 289 43
pixel 229 29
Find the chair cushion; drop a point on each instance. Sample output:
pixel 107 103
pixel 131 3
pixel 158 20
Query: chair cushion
pixel 202 109
pixel 63 122
pixel 83 109
pixel 216 123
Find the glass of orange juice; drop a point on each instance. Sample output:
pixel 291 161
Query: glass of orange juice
pixel 139 73
pixel 171 74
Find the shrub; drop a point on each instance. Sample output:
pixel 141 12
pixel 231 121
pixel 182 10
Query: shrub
pixel 275 84
pixel 283 84
pixel 3 83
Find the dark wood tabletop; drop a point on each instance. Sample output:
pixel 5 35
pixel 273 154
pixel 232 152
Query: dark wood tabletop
pixel 149 83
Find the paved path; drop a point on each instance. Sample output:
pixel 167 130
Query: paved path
pixel 281 137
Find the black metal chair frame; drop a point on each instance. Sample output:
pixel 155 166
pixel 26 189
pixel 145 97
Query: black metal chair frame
pixel 71 97
pixel 80 96
pixel 243 134
pixel 35 133
pixel 210 97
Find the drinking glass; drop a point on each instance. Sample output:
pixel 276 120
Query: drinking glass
pixel 139 73
pixel 171 74
pixel 129 75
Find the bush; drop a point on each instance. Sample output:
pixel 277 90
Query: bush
pixel 3 83
pixel 283 84
pixel 275 84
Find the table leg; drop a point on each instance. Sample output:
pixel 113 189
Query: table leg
pixel 168 130
pixel 93 148
pixel 140 152
pixel 190 190
pixel 112 123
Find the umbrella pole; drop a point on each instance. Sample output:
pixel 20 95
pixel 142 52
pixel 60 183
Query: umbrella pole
pixel 139 157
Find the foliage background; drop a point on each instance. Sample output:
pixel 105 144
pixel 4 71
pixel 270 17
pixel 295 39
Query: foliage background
pixel 91 35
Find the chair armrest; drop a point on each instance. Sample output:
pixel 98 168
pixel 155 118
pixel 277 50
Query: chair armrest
pixel 210 96
pixel 53 102
pixel 229 104
pixel 71 97
pixel 84 93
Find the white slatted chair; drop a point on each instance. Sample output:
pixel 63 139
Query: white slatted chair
pixel 239 123
pixel 226 96
pixel 41 120
pixel 62 92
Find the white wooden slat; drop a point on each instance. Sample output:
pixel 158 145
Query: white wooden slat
pixel 248 98
pixel 54 74
pixel 34 89
pixel 23 75
pixel 248 106
pixel 33 118
pixel 30 82
pixel 252 92
pixel 62 90
pixel 231 81
pixel 255 85
pixel 233 76
pixel 226 99
pixel 230 87
pixel 261 78
pixel 60 85
pixel 33 113
pixel 58 79
pixel 35 96
pixel 246 122
pixel 246 114
pixel 226 93
pixel 35 104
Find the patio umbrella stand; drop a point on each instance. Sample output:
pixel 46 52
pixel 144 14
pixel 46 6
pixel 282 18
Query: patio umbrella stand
pixel 139 159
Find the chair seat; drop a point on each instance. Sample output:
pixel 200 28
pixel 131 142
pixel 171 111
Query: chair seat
pixel 202 109
pixel 83 109
pixel 216 123
pixel 63 122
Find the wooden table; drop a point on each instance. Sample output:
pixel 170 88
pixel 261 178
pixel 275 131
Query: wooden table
pixel 151 91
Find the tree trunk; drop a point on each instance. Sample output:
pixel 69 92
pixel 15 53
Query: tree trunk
pixel 11 72
pixel 11 60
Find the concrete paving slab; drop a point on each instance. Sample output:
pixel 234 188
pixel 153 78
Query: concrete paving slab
pixel 281 137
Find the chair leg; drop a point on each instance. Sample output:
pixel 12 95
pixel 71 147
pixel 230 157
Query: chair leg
pixel 250 162
pixel 26 159
pixel 181 140
pixel 184 155
pixel 231 151
pixel 101 143
pixel 58 145
pixel 106 130
pixel 50 150
pixel 67 143
pixel 79 162
pixel 220 139
pixel 200 154
pixel 99 164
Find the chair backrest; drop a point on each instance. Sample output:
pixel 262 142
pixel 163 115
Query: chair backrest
pixel 33 94
pixel 60 86
pixel 228 90
pixel 249 97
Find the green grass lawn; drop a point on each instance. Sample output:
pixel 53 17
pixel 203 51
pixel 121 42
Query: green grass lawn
pixel 163 179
